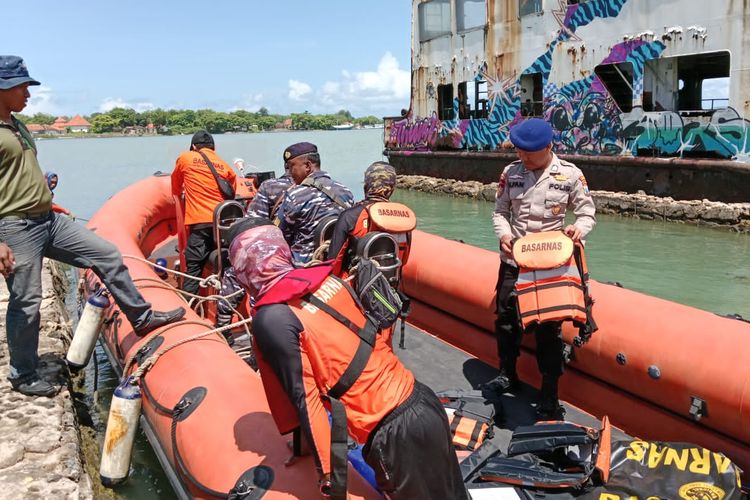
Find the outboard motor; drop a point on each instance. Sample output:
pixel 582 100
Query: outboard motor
pixel 87 330
pixel 258 177
pixel 121 426
pixel 383 249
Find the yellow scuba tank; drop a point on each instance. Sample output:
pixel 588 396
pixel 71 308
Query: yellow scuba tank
pixel 121 426
pixel 87 331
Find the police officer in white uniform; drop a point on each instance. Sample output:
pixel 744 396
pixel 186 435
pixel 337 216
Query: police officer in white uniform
pixel 533 195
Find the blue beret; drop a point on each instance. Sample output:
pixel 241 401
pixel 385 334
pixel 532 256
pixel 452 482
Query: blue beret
pixel 531 135
pixel 301 148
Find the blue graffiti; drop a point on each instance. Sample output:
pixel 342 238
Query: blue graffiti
pixel 584 115
pixel 584 13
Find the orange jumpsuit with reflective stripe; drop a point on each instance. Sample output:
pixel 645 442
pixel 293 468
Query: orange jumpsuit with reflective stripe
pixel 202 195
pixel 302 354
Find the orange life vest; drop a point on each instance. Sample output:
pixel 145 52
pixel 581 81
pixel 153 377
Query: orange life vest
pixel 393 218
pixel 550 285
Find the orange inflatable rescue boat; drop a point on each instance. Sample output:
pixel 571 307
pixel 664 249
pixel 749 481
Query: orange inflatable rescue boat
pixel 229 432
pixel 659 370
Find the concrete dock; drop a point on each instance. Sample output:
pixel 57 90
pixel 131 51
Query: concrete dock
pixel 40 444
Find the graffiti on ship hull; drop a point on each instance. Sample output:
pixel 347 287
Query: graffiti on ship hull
pixel 724 135
pixel 585 117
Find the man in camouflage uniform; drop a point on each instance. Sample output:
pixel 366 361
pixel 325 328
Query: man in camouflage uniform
pixel 264 206
pixel 314 197
pixel 379 185
pixel 533 196
pixel 266 202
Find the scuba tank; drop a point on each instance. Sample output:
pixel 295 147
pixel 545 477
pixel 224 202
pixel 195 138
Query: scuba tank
pixel 87 330
pixel 162 273
pixel 121 426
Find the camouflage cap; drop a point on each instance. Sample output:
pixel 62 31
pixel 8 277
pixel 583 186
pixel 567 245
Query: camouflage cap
pixel 380 179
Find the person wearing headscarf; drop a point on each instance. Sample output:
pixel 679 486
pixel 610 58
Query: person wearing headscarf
pixel 52 181
pixel 379 185
pixel 308 330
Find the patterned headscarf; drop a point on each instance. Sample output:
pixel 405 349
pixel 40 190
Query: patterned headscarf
pixel 380 180
pixel 261 257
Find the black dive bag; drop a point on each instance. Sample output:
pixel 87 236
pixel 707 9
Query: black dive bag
pixel 381 303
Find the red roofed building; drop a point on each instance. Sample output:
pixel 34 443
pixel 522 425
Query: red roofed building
pixel 42 129
pixel 59 124
pixel 78 124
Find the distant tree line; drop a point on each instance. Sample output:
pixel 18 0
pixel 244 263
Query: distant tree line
pixel 187 121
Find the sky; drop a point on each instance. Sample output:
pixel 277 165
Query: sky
pixel 285 55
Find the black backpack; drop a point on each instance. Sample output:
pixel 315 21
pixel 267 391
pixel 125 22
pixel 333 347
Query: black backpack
pixel 381 303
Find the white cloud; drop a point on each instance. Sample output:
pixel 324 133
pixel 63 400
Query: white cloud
pixel 111 103
pixel 299 91
pixel 387 88
pixel 42 101
pixel 716 88
pixel 249 103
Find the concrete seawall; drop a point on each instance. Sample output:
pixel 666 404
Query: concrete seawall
pixel 40 443
pixel 733 216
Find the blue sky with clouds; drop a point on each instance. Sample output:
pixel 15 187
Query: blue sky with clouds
pixel 286 55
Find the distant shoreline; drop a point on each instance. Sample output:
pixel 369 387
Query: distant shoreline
pixel 110 135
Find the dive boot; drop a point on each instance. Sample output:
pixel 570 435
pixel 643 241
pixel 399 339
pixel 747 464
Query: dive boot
pixel 549 407
pixel 506 382
pixel 159 319
pixel 552 412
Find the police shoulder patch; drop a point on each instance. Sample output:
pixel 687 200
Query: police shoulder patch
pixel 501 182
pixel 585 185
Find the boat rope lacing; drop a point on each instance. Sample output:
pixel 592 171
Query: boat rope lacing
pixel 196 301
pixel 245 352
pixel 211 280
pixel 320 254
pixel 151 360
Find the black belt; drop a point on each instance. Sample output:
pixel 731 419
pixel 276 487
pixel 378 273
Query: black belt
pixel 24 215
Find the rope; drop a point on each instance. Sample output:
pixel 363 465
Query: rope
pixel 200 298
pixel 320 254
pixel 212 280
pixel 166 269
pixel 151 360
